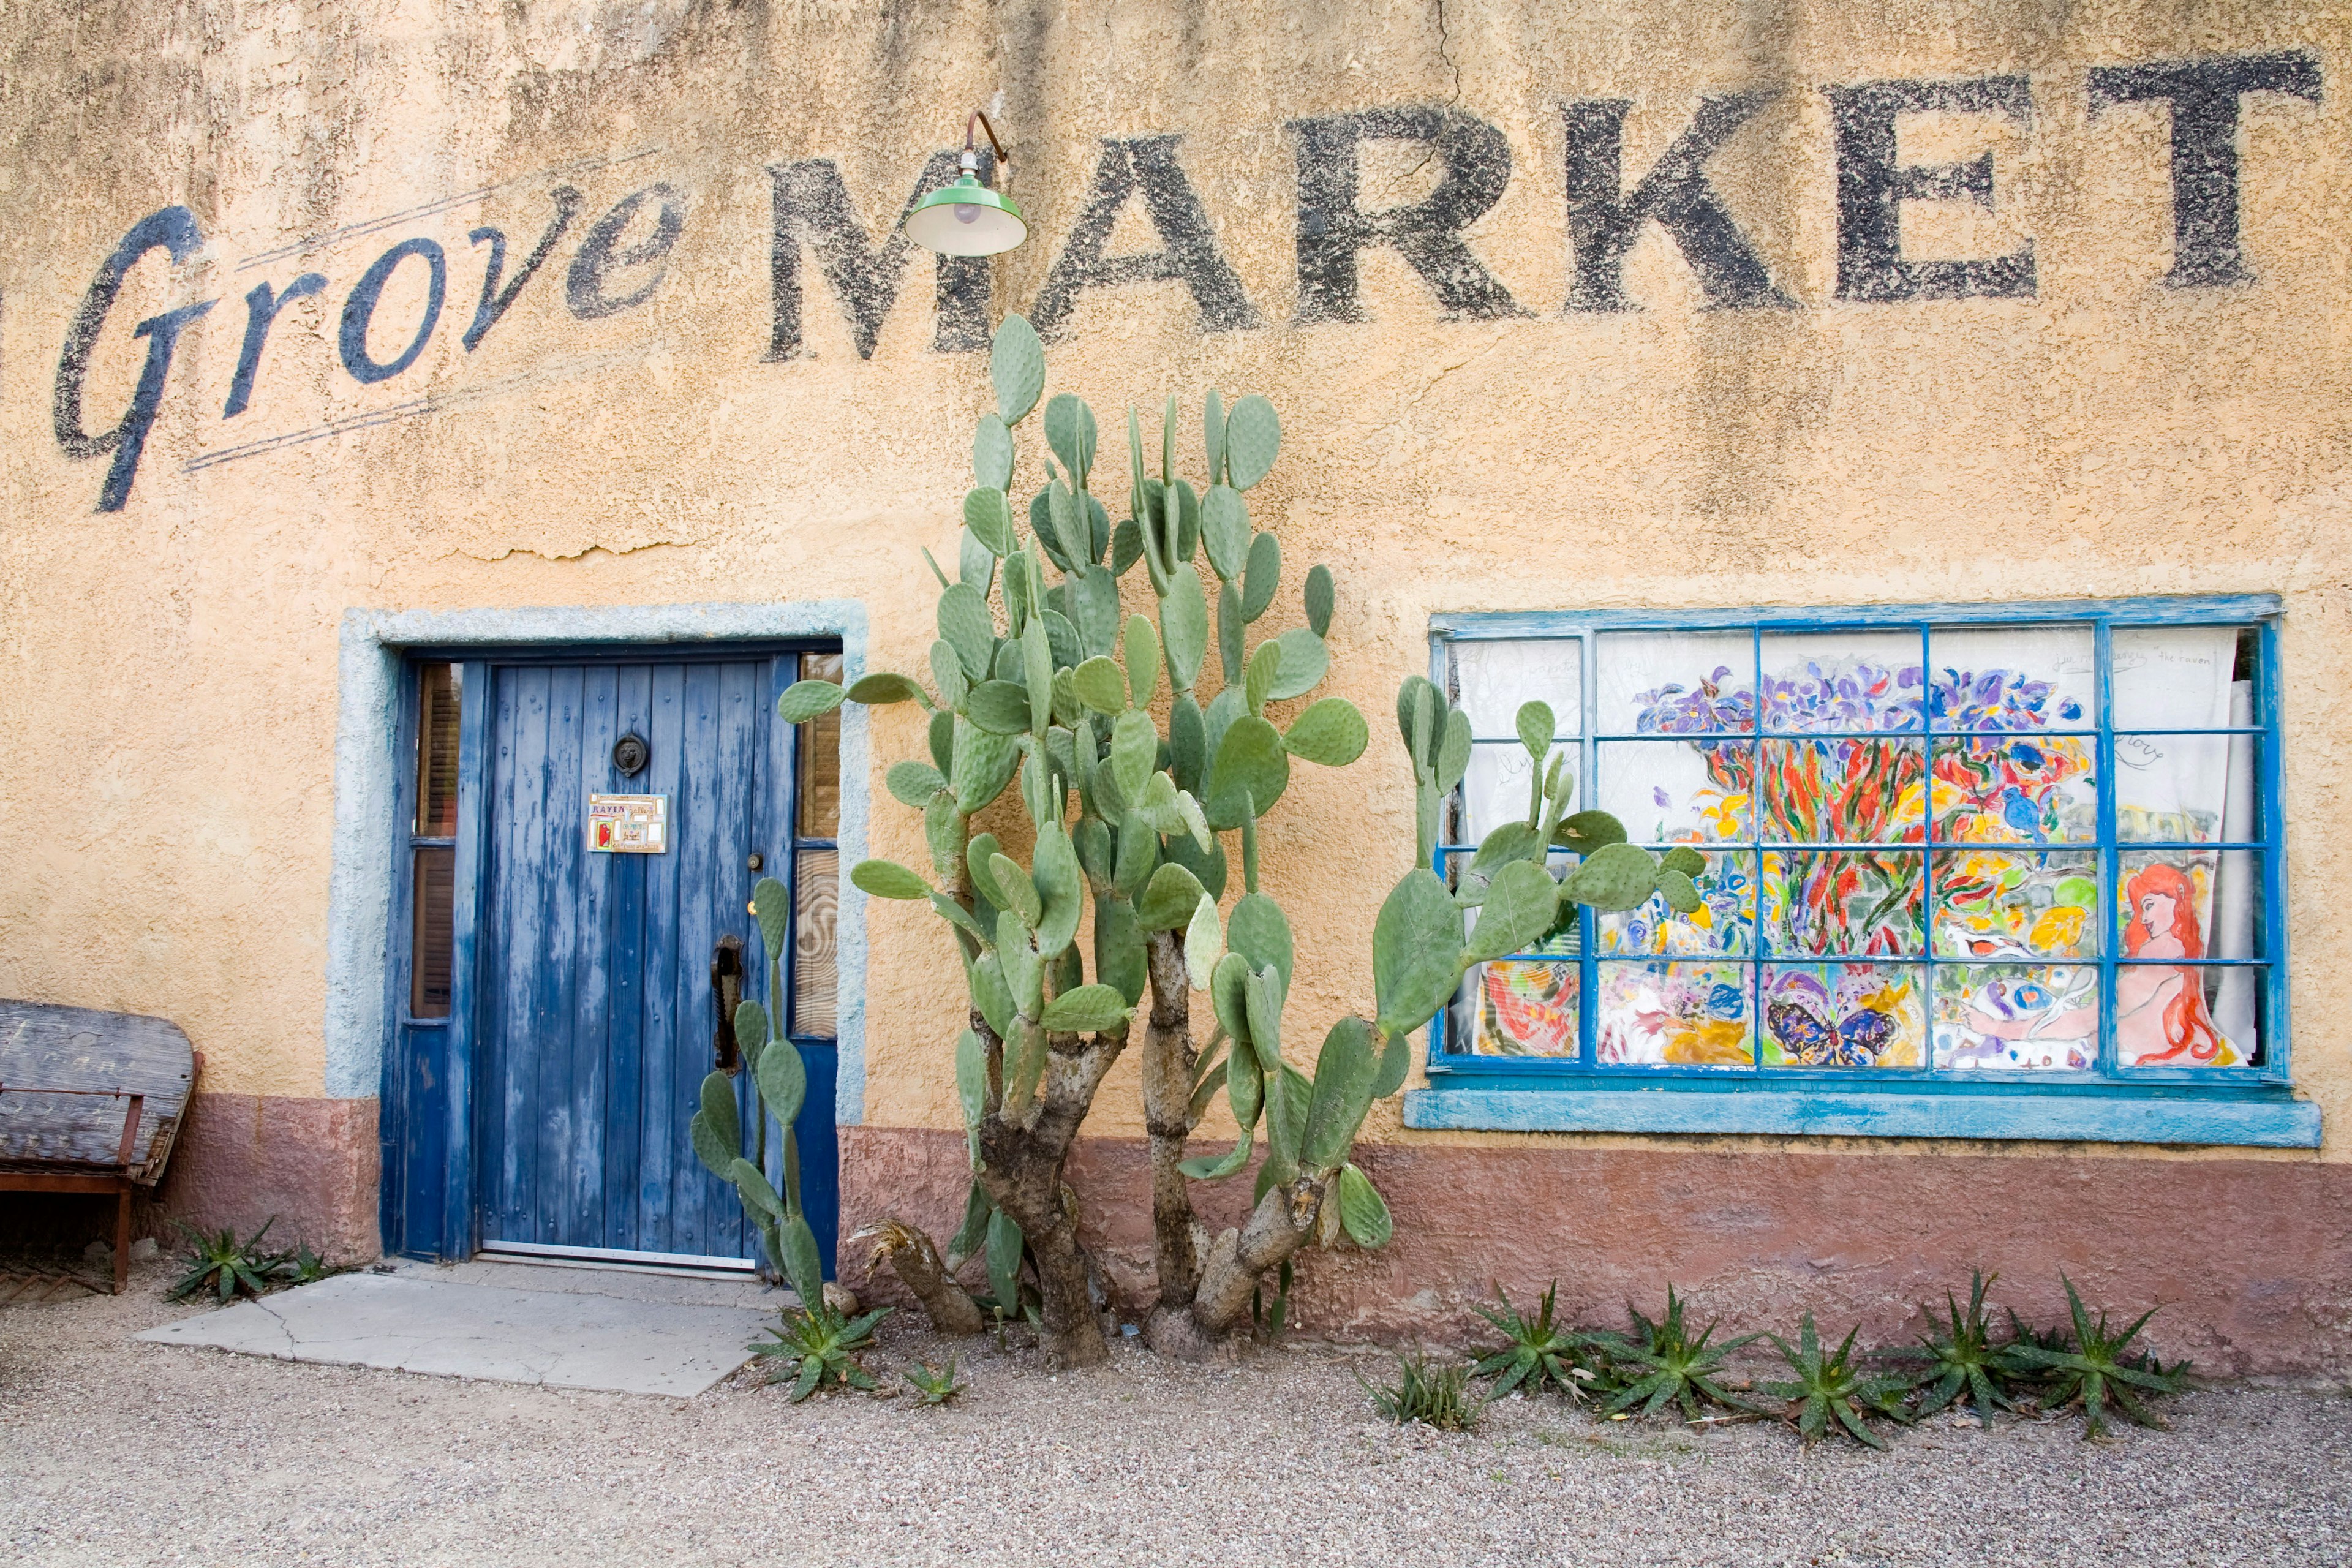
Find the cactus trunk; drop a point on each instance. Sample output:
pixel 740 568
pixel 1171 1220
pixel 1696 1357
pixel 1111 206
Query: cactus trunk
pixel 1168 1060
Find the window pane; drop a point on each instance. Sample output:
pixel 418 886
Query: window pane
pixel 814 899
pixel 2019 791
pixel 819 757
pixel 430 946
pixel 2011 1017
pixel 1844 1016
pixel 1679 792
pixel 1995 905
pixel 1672 683
pixel 1723 924
pixel 2012 678
pixel 1841 680
pixel 2167 677
pixel 2192 789
pixel 2189 903
pixel 1517 1007
pixel 2191 1015
pixel 1495 790
pixel 1492 679
pixel 1675 1014
pixel 1843 792
pixel 1833 903
pixel 436 751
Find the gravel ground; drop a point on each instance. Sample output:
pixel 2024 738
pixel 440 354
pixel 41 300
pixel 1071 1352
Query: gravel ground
pixel 117 1454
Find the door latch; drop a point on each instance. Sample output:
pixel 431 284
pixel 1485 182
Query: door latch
pixel 726 992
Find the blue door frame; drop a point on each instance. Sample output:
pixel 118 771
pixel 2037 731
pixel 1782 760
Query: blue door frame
pixel 437 1110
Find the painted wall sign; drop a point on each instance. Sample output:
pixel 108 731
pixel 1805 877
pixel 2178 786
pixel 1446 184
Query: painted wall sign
pixel 622 260
pixel 628 824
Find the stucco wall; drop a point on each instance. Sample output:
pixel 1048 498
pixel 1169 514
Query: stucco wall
pixel 167 777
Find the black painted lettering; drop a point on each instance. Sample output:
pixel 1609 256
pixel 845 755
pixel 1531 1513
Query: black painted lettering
pixel 1333 227
pixel 1604 219
pixel 172 230
pixel 585 287
pixel 1872 187
pixel 812 207
pixel 1188 253
pixel 2204 96
pixel 261 308
pixel 359 310
pixel 494 299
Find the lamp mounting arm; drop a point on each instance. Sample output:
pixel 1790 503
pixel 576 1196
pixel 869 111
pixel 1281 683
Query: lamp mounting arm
pixel 970 159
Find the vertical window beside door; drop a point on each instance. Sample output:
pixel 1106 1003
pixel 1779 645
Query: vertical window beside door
pixel 816 861
pixel 433 841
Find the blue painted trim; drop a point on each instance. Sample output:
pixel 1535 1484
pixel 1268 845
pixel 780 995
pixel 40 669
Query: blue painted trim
pixel 1492 625
pixel 2113 1104
pixel 368 758
pixel 2272 1121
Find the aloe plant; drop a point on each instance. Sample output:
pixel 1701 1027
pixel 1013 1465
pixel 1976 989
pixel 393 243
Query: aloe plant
pixel 929 1386
pixel 1042 687
pixel 1831 1386
pixel 1432 1395
pixel 220 1260
pixel 1536 1353
pixel 2099 1369
pixel 816 1346
pixel 1663 1365
pixel 1963 1364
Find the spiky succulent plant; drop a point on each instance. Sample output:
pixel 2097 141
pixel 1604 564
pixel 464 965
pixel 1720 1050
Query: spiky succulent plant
pixel 1536 1352
pixel 2099 1369
pixel 1831 1387
pixel 1662 1363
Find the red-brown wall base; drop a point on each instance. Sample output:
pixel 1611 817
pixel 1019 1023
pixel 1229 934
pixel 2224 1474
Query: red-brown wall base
pixel 2250 1260
pixel 240 1159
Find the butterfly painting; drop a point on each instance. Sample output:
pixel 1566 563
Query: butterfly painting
pixel 1865 1020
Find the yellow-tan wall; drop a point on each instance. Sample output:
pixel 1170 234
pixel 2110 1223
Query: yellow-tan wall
pixel 168 719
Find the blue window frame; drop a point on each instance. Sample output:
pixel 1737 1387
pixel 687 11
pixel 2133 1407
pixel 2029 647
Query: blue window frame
pixel 1992 871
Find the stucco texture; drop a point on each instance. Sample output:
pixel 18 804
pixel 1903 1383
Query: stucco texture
pixel 167 777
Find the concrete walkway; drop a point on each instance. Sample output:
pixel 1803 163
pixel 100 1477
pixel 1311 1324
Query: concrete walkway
pixel 563 1328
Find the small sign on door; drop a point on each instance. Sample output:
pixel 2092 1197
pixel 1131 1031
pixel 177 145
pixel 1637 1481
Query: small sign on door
pixel 628 824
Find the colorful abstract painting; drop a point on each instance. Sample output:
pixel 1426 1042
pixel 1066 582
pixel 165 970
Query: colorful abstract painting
pixel 1904 855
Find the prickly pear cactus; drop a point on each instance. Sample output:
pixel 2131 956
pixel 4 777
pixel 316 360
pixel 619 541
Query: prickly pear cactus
pixel 1040 685
pixel 779 1085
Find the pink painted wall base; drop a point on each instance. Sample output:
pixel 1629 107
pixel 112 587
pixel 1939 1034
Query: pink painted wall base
pixel 2250 1260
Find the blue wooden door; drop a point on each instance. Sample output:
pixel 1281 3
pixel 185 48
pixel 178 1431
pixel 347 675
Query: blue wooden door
pixel 595 1016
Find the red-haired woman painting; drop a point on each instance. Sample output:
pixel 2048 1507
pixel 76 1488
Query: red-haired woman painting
pixel 2160 1016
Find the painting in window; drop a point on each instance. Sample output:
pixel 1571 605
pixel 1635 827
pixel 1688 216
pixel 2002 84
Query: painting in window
pixel 1908 833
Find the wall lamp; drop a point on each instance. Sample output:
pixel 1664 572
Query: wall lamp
pixel 967 218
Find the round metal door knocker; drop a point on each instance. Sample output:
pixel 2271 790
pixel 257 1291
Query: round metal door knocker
pixel 630 755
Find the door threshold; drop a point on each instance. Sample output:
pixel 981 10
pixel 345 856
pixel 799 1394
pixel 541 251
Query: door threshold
pixel 677 1265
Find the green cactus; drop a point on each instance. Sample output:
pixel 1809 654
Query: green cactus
pixel 1039 686
pixel 779 1085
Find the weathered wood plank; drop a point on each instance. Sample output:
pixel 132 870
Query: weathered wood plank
pixel 45 1047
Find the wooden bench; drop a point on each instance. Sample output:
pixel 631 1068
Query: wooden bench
pixel 90 1102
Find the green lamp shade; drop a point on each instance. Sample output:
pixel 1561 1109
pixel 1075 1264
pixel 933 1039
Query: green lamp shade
pixel 966 218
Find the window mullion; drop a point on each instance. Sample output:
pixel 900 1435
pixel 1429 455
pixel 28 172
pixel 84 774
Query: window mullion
pixel 2110 873
pixel 1587 959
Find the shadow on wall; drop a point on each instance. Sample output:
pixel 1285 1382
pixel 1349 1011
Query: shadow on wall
pixel 239 1160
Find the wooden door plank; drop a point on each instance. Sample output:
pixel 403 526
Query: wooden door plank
pixel 521 932
pixel 572 1083
pixel 680 1222
pixel 636 1183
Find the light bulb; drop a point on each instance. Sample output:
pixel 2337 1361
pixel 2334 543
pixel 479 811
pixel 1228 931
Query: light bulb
pixel 967 213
